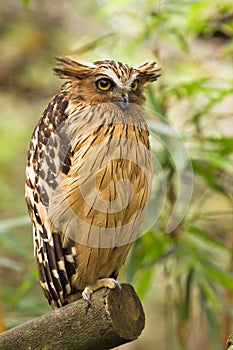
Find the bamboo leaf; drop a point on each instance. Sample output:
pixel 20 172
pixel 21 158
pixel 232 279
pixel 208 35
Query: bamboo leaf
pixel 211 320
pixel 188 289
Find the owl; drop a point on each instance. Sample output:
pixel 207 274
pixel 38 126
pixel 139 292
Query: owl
pixel 88 176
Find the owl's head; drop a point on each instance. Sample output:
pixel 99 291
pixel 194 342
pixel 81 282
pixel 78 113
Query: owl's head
pixel 106 81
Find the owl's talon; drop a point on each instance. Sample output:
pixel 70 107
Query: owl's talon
pixel 86 296
pixel 118 285
pixel 110 283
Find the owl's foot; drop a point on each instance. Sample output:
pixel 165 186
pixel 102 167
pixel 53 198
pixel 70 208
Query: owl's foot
pixel 101 283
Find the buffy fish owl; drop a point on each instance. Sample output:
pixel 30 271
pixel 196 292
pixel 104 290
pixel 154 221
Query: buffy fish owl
pixel 88 176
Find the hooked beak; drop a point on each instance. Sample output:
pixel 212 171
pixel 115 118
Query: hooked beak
pixel 124 103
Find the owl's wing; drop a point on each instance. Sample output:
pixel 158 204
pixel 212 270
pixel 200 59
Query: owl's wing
pixel 48 158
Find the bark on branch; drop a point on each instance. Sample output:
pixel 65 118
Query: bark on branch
pixel 114 318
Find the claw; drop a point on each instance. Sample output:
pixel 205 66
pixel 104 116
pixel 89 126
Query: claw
pixel 86 296
pixel 118 285
pixel 110 283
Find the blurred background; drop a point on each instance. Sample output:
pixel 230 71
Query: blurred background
pixel 184 278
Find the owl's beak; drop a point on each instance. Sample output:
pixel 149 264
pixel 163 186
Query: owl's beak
pixel 124 103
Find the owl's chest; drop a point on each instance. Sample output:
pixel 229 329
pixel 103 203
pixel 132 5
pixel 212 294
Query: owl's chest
pixel 108 186
pixel 101 200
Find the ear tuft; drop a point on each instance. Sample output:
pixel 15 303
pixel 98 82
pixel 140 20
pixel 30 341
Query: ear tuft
pixel 71 68
pixel 148 72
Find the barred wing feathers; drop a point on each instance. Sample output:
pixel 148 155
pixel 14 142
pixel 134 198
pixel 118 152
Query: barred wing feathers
pixel 55 264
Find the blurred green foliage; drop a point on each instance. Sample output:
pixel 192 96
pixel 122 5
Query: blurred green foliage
pixel 187 275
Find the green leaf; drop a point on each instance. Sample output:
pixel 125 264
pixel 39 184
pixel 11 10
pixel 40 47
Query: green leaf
pixel 10 263
pixel 6 225
pixel 223 145
pixel 25 2
pixel 188 289
pixel 209 173
pixel 131 263
pixel 211 320
pixel 15 244
pixel 144 281
pixel 222 277
pixel 209 240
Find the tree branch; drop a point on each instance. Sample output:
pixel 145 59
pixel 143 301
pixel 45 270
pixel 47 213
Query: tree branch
pixel 114 318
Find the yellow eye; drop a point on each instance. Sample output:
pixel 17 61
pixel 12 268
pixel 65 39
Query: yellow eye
pixel 104 84
pixel 134 85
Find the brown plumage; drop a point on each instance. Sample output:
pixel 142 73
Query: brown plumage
pixel 88 176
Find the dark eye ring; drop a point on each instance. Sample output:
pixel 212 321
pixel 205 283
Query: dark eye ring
pixel 104 84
